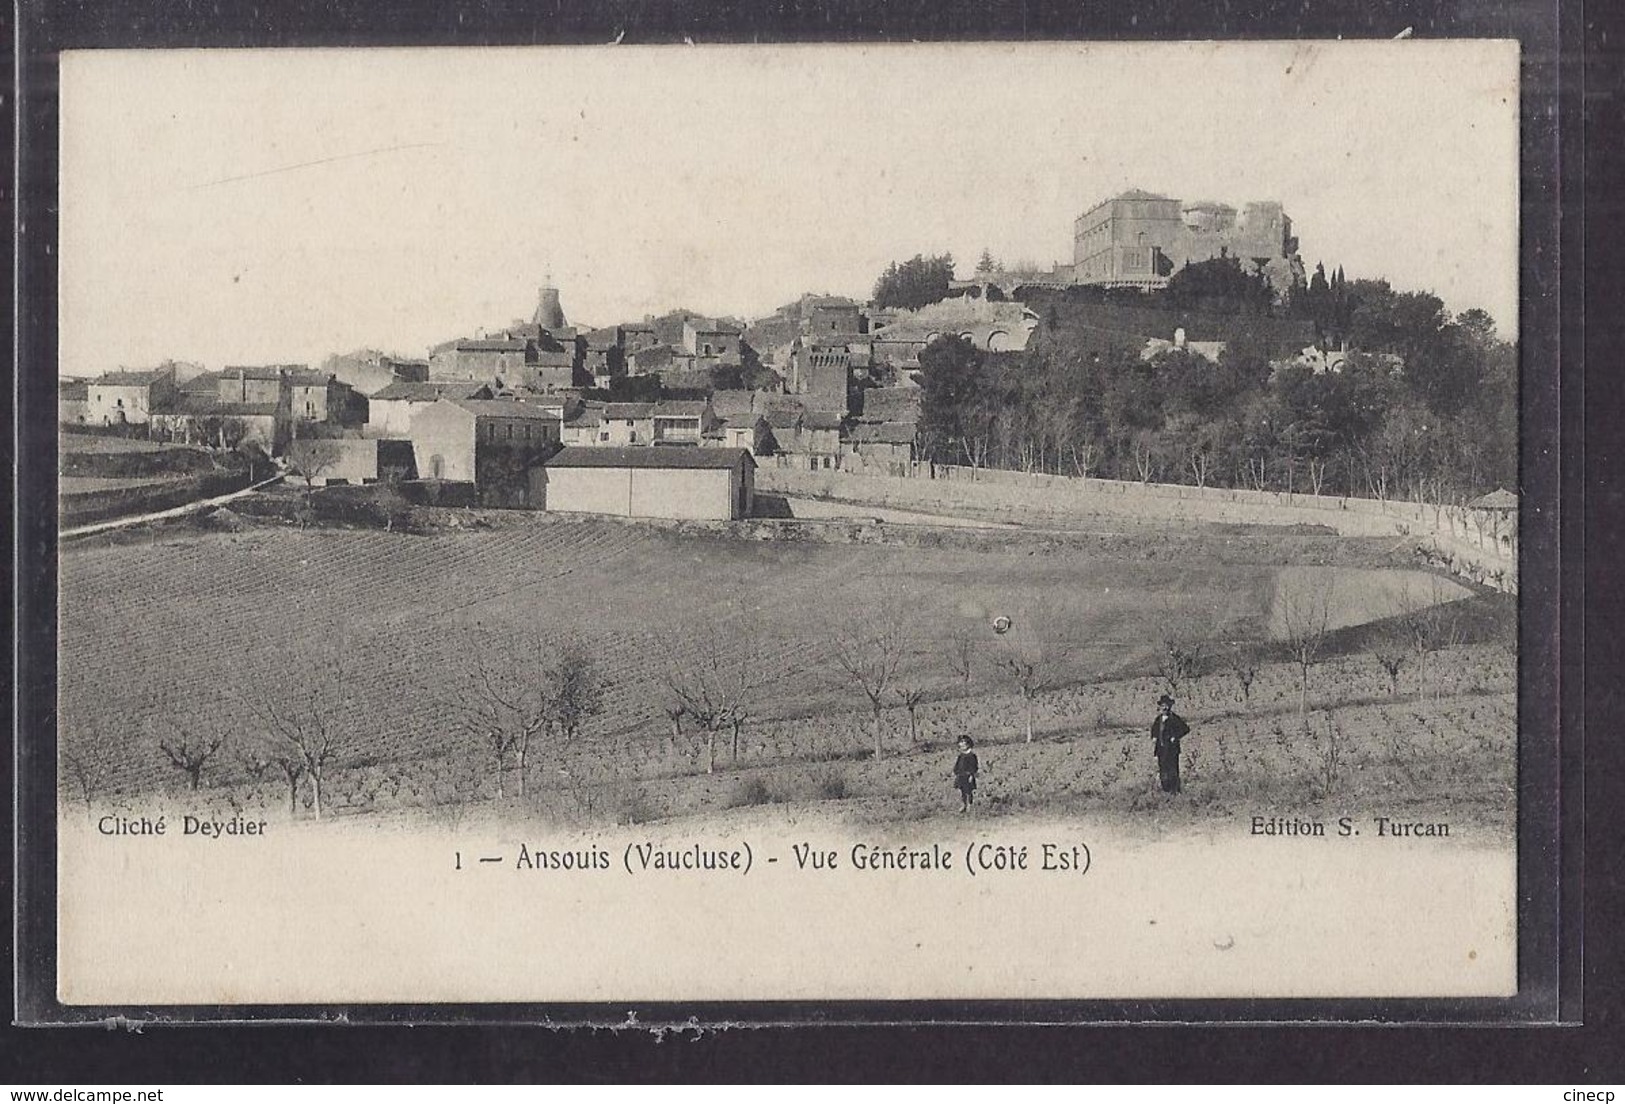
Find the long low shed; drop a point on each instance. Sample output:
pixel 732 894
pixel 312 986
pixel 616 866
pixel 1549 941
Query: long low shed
pixel 686 482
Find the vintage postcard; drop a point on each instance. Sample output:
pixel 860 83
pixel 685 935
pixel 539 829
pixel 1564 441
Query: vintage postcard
pixel 762 523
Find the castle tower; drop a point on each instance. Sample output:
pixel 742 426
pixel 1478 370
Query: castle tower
pixel 549 313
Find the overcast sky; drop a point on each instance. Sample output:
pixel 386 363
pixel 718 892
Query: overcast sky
pixel 249 207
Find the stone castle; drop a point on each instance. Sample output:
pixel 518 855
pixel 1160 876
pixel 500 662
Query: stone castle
pixel 1139 239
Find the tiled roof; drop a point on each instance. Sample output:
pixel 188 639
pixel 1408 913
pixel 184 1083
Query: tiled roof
pixel 883 433
pixel 126 378
pixel 587 418
pixel 432 390
pixel 674 408
pixel 261 371
pixel 891 404
pixel 488 345
pixel 634 456
pixel 785 417
pixel 73 389
pixel 508 408
pixel 726 402
pixel 829 302
pixel 653 354
pixel 822 419
pixel 202 383
pixel 711 325
pixel 634 411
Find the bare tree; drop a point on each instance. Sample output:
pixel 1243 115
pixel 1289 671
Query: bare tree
pixel 574 687
pixel 292 766
pixel 1317 475
pixel 1199 459
pixel 715 689
pixel 89 775
pixel 870 657
pixel 488 717
pixel 1304 609
pixel 525 694
pixel 1145 455
pixel 1035 660
pixel 189 753
pixel 911 695
pixel 311 459
pixel 1178 663
pixel 305 722
pixel 1242 660
pixel 1391 653
pixel 1084 457
pixel 1432 625
pixel 962 652
pixel 675 711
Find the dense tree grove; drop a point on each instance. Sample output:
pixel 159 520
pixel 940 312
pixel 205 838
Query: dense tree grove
pixel 1424 407
pixel 915 283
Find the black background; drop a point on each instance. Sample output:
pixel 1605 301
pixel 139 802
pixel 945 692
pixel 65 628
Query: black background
pixel 1579 56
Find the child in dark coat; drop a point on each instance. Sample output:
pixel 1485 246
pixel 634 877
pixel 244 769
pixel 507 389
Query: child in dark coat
pixel 965 768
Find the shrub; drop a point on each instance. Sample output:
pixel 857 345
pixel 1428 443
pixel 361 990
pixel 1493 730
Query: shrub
pixel 634 807
pixel 752 791
pixel 830 786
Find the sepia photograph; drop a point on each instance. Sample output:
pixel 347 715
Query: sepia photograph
pixel 887 522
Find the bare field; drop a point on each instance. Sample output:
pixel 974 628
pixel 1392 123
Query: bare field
pixel 195 635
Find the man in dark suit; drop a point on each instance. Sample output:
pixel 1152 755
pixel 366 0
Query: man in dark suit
pixel 1166 732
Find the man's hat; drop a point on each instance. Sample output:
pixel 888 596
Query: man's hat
pixel 967 741
pixel 1165 700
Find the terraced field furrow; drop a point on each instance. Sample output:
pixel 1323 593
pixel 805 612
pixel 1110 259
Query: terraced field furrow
pixel 198 634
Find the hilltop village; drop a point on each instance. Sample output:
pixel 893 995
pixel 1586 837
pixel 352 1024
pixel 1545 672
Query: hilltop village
pixel 824 382
pixel 1182 343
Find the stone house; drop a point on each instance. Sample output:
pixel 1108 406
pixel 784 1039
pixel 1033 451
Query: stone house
pixel 321 398
pixel 827 316
pixel 604 355
pixel 889 443
pixel 682 422
pixel 650 359
pixel 748 431
pixel 366 460
pixel 200 418
pixel 638 335
pixel 582 427
pixel 449 436
pixel 390 411
pixel 705 337
pixel 821 437
pixel 129 397
pixel 549 371
pixel 627 424
pixel 482 360
pixel 268 385
pixel 72 402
